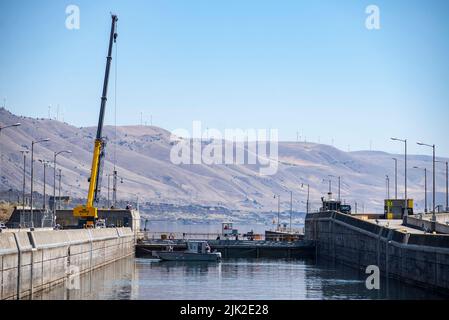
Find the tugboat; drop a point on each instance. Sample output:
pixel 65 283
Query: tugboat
pixel 196 251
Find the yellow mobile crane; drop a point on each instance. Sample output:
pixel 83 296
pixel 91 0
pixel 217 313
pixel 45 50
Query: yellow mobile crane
pixel 88 214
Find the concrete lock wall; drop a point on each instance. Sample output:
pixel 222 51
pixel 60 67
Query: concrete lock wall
pixel 424 224
pixel 36 260
pixel 418 259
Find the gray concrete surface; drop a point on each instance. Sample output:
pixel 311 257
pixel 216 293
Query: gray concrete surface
pixel 400 252
pixel 36 260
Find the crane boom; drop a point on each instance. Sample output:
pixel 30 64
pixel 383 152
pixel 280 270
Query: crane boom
pixel 88 213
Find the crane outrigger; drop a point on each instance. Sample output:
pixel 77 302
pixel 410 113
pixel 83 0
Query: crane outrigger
pixel 88 214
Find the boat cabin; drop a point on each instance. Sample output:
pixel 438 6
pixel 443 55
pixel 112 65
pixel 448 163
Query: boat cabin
pixel 331 204
pixel 198 247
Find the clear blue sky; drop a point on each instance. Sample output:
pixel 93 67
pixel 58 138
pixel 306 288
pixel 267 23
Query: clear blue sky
pixel 294 65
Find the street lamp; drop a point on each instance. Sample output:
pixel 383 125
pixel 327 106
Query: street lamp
pixel 433 178
pixel 395 178
pixel 447 191
pixel 24 152
pixel 59 192
pixel 405 166
pixel 32 177
pixel 54 182
pixel 279 208
pixel 109 183
pixel 308 196
pixel 45 163
pixel 425 188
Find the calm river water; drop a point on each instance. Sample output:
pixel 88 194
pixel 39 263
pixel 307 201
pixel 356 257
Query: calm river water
pixel 141 278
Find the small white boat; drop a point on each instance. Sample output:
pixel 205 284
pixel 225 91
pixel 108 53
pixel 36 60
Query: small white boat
pixel 196 251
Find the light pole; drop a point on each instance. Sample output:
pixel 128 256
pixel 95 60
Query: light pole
pixel 405 169
pixel 54 182
pixel 434 218
pixel 279 208
pixel 425 188
pixel 32 177
pixel 447 191
pixel 109 183
pixel 1 128
pixel 45 167
pixel 395 178
pixel 24 152
pixel 59 192
pixel 308 196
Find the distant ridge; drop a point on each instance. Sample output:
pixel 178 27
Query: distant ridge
pixel 143 163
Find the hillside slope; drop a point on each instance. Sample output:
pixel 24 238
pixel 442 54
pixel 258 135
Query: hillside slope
pixel 143 163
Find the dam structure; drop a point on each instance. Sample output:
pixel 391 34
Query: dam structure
pixel 403 249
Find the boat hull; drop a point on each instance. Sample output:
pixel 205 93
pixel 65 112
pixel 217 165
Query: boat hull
pixel 188 256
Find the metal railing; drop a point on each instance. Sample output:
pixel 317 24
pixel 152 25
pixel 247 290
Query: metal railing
pixel 158 235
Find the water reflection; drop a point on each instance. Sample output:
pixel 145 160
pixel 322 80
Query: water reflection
pixel 115 281
pixel 231 280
